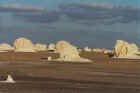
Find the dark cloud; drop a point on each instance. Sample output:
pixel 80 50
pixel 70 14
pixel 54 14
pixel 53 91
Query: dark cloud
pixel 84 13
pixel 31 13
pixel 100 13
pixel 40 17
pixel 19 8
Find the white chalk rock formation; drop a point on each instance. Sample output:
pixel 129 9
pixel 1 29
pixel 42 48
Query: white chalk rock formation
pixel 40 47
pixel 51 47
pixel 87 49
pixel 8 80
pixel 107 51
pixel 123 49
pixel 49 58
pixel 5 47
pixel 98 50
pixel 69 52
pixel 23 45
pixel 79 50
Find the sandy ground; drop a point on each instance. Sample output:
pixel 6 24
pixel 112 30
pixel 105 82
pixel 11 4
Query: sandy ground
pixel 103 75
pixel 71 77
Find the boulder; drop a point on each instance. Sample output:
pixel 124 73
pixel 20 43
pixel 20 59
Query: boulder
pixel 23 45
pixel 49 58
pixel 6 47
pixel 124 49
pixel 107 51
pixel 87 49
pixel 69 52
pixel 40 47
pixel 51 47
pixel 120 48
pixel 79 50
pixel 98 50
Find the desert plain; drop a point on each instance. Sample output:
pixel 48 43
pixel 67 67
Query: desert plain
pixel 36 75
pixel 75 71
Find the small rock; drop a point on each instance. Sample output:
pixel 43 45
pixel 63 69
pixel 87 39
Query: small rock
pixel 40 47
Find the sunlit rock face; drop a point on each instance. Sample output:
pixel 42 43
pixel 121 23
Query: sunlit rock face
pixel 87 49
pixel 40 47
pixel 107 51
pixel 98 50
pixel 66 49
pixel 124 49
pixel 51 46
pixel 68 52
pixel 23 45
pixel 6 47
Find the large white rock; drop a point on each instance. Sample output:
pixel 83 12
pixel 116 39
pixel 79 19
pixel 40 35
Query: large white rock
pixel 23 45
pixel 51 46
pixel 5 47
pixel 40 47
pixel 68 52
pixel 124 49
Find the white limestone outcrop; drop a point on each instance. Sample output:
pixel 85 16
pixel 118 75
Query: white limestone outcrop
pixel 23 45
pixel 98 50
pixel 51 47
pixel 124 49
pixel 6 47
pixel 87 49
pixel 68 52
pixel 40 47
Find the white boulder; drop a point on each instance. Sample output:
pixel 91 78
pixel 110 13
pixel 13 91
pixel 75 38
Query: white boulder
pixel 51 46
pixel 5 47
pixel 107 51
pixel 98 50
pixel 40 47
pixel 49 58
pixel 23 45
pixel 68 52
pixel 124 49
pixel 87 49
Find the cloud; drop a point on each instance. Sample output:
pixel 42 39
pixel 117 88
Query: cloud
pixel 99 13
pixel 39 17
pixel 19 8
pixel 31 13
pixel 80 13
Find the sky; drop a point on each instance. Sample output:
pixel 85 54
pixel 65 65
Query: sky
pixel 93 23
pixel 53 3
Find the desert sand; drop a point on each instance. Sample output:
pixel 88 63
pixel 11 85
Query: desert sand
pixel 35 73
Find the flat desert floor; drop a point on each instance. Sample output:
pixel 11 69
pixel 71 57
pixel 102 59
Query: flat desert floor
pixel 103 75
